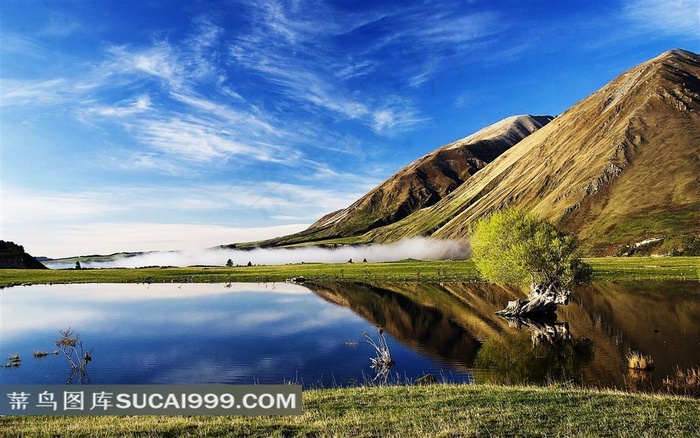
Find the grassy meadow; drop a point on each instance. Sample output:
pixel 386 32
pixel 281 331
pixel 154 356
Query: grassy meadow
pixel 410 411
pixel 604 269
pixel 395 411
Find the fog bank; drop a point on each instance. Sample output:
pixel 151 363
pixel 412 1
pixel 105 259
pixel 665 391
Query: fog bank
pixel 415 248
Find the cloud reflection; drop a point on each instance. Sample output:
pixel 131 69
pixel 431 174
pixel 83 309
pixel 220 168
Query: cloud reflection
pixel 105 307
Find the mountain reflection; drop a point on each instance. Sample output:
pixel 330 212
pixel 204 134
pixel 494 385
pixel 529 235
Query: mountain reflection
pixel 445 321
pixel 456 323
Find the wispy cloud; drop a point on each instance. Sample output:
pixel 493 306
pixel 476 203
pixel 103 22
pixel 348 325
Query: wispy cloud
pixel 296 52
pixel 265 200
pixel 42 92
pixel 61 224
pixel 65 240
pixel 320 56
pixel 186 127
pixel 159 61
pixel 125 109
pixel 196 140
pixel 21 45
pixel 60 25
pixel 673 17
pixel 22 206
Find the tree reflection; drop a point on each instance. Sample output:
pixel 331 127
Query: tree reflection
pixel 544 353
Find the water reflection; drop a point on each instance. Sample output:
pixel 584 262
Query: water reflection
pixel 256 333
pixel 543 331
pixel 191 333
pixel 456 322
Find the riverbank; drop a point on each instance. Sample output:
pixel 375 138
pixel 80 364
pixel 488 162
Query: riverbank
pixel 411 411
pixel 604 269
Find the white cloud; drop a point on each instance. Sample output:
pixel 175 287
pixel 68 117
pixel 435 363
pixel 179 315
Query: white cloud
pixel 194 140
pixel 20 206
pixel 266 198
pixel 105 238
pixel 673 17
pixel 159 61
pixel 138 106
pixel 107 220
pixel 43 92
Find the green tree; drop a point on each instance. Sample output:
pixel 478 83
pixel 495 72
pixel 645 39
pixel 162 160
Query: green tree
pixel 514 247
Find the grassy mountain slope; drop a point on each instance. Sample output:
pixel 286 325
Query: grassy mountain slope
pixel 422 183
pixel 621 166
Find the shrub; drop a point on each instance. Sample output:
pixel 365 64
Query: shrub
pixel 514 247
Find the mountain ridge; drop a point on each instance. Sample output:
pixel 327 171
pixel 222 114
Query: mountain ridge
pixel 422 183
pixel 654 105
pixel 620 166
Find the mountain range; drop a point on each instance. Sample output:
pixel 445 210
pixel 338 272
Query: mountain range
pixel 620 169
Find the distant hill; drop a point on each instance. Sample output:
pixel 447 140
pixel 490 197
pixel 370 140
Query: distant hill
pixel 619 169
pixel 67 262
pixel 12 256
pixel 422 183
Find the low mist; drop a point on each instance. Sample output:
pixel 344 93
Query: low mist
pixel 415 248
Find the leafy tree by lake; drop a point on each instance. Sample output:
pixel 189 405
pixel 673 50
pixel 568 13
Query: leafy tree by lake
pixel 517 248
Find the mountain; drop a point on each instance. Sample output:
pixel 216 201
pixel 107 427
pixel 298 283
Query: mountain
pixel 12 256
pixel 422 183
pixel 619 168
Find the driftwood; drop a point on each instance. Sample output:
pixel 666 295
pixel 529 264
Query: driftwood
pixel 542 301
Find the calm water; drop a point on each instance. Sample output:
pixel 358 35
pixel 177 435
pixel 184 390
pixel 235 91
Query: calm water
pixel 244 333
pixel 195 333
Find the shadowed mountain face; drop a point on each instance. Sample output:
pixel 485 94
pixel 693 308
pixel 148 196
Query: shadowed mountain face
pixel 12 256
pixel 425 181
pixel 618 168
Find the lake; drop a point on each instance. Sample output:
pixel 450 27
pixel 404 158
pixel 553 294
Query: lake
pixel 313 334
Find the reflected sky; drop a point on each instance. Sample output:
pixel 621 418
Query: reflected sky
pixel 313 334
pixel 193 333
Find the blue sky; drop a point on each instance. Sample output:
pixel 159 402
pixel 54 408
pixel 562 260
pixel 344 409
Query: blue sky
pixel 157 125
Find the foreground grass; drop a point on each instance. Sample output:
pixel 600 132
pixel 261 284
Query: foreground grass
pixel 605 269
pixel 410 411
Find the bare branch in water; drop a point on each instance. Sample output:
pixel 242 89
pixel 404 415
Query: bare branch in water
pixel 74 351
pixel 382 363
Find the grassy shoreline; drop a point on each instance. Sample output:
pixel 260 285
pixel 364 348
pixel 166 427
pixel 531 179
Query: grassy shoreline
pixel 604 269
pixel 396 411
pixel 411 411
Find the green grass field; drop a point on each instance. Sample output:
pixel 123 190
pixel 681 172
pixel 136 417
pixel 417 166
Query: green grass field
pixel 410 411
pixel 396 411
pixel 605 269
